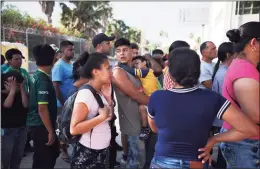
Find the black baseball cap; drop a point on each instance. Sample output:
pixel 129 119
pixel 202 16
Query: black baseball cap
pixel 99 38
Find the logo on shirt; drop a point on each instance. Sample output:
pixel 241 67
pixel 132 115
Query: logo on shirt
pixel 43 92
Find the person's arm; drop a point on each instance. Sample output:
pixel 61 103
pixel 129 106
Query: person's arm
pixel 242 128
pixel 58 92
pixel 151 114
pixel 141 73
pixel 43 101
pixel 27 81
pixel 56 79
pixel 11 84
pixel 205 77
pixel 247 95
pixel 79 124
pixel 24 95
pixel 10 99
pixel 156 67
pixel 121 81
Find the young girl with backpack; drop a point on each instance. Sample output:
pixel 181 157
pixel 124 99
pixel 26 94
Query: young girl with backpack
pixel 89 120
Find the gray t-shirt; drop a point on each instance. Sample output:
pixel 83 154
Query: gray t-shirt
pixel 206 72
pixel 128 109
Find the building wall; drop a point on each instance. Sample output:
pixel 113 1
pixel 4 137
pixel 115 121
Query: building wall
pixel 222 19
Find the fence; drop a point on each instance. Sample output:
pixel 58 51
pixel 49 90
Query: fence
pixel 31 37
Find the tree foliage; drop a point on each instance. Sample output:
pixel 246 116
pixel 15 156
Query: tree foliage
pixel 121 30
pixel 87 16
pixel 47 9
pixel 11 17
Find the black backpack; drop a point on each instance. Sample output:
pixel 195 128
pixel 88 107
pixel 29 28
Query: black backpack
pixel 64 121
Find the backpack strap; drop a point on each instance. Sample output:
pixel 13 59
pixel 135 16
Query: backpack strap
pixel 94 92
pixel 99 101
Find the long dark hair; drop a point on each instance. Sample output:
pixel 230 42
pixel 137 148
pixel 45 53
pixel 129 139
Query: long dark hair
pixel 81 60
pixel 241 36
pixel 223 49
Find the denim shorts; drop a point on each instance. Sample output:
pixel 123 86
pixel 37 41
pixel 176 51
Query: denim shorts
pixel 241 154
pixel 169 162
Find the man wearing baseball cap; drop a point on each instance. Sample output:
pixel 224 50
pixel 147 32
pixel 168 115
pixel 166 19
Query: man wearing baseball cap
pixel 101 43
pixel 57 51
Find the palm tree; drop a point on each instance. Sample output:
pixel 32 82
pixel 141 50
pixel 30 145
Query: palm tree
pixel 118 28
pixel 121 30
pixel 47 9
pixel 87 17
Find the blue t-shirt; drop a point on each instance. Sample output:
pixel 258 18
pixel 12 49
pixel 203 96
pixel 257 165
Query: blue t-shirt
pixel 217 87
pixel 62 72
pixel 184 118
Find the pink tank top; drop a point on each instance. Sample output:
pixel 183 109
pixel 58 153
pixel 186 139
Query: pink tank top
pixel 239 68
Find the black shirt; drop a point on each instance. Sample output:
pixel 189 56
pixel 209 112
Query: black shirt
pixel 14 116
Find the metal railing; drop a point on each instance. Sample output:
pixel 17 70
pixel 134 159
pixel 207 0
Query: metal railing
pixel 30 37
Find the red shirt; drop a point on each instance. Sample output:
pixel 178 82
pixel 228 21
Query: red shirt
pixel 167 81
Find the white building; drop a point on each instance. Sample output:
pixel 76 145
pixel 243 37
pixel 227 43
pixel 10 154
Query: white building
pixel 229 15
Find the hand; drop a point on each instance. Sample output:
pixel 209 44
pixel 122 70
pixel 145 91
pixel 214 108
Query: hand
pixel 22 85
pixel 106 92
pixel 11 84
pixel 140 89
pixel 104 112
pixel 51 138
pixel 206 151
pixel 111 114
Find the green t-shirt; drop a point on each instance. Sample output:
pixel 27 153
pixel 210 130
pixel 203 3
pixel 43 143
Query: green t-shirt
pixel 25 75
pixel 41 92
pixel 4 67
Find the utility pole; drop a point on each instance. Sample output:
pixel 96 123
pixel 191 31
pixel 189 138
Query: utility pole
pixel 202 33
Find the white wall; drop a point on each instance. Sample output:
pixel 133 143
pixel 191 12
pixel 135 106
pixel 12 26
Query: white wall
pixel 222 19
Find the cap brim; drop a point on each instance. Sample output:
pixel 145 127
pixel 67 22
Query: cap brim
pixel 111 38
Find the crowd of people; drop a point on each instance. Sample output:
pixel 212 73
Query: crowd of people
pixel 172 109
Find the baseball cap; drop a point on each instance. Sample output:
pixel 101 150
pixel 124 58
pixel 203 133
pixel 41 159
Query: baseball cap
pixel 55 48
pixel 99 38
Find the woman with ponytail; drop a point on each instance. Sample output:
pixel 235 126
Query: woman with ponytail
pixel 78 81
pixel 241 88
pixel 225 57
pixel 182 116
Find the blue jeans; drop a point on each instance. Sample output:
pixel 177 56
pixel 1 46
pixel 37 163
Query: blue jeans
pixel 13 143
pixel 136 152
pixel 241 154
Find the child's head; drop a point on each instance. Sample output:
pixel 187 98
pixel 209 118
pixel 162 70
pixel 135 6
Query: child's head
pixel 97 68
pixel 6 79
pixel 140 62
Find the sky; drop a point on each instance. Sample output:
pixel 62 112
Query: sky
pixel 150 17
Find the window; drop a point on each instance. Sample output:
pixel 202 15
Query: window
pixel 247 7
